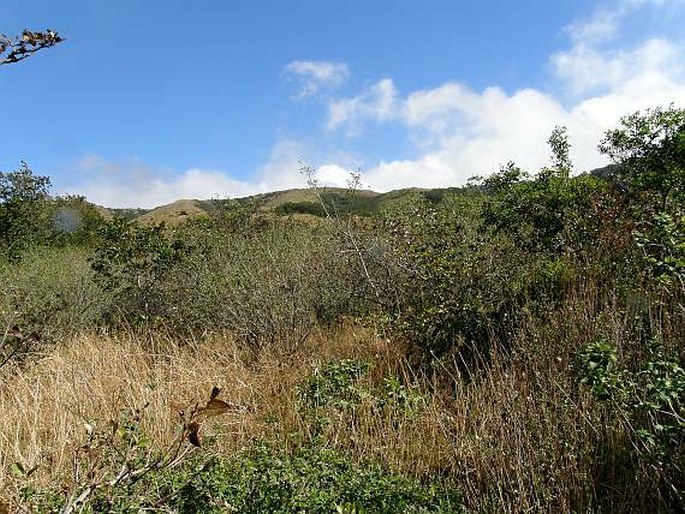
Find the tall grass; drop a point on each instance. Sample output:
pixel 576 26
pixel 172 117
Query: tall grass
pixel 521 435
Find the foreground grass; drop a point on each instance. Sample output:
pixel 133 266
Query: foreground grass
pixel 83 385
pixel 519 435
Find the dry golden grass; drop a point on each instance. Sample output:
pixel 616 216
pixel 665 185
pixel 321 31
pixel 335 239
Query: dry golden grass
pixel 519 436
pixel 93 378
pixel 174 213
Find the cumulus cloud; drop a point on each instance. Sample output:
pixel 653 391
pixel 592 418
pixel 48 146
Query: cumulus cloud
pixel 456 131
pixel 131 183
pixel 587 69
pixel 461 132
pixel 601 26
pixel 380 102
pixel 604 23
pixel 316 75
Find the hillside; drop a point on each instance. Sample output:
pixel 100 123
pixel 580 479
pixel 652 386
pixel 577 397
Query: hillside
pixel 173 213
pixel 290 202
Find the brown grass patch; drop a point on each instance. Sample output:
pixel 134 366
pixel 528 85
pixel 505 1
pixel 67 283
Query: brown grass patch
pixel 520 436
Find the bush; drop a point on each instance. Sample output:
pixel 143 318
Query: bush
pixel 650 402
pixel 131 262
pixel 333 384
pixel 269 287
pixel 23 217
pixel 441 296
pixel 313 480
pixel 51 291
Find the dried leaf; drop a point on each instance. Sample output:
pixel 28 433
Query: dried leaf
pixel 193 436
pixel 177 407
pixel 215 407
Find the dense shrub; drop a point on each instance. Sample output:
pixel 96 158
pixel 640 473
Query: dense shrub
pixel 23 216
pixel 268 480
pixel 51 291
pixel 451 287
pixel 270 286
pixel 649 401
pixel 313 480
pixel 649 148
pixel 131 262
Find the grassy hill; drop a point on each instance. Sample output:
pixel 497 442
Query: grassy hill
pixel 291 202
pixel 174 213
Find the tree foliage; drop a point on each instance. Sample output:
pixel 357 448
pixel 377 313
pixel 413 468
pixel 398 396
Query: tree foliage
pixel 649 148
pixel 23 197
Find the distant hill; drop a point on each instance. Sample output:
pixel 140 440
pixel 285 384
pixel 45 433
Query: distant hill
pixel 174 213
pixel 301 202
pixel 291 202
pixel 608 172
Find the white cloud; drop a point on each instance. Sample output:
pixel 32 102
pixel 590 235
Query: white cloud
pixel 457 131
pixel 470 133
pixel 130 183
pixel 586 69
pixel 604 23
pixel 316 75
pixel 462 132
pixel 378 103
pixel 601 26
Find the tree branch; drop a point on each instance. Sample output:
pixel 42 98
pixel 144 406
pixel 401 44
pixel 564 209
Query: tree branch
pixel 20 48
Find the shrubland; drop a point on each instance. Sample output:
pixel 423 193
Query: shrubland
pixel 513 345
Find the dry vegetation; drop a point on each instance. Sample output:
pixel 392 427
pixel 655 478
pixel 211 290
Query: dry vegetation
pixel 514 346
pixel 518 436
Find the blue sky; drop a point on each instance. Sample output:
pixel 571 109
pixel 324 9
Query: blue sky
pixel 150 101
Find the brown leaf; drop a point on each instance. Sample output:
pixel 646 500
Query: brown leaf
pixel 215 407
pixel 193 436
pixel 177 407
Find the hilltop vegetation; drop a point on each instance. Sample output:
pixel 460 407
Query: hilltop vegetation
pixel 513 345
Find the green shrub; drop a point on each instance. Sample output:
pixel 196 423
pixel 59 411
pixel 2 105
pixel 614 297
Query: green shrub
pixel 313 480
pixel 23 216
pixel 270 287
pixel 662 242
pixel 334 384
pixel 649 148
pixel 314 209
pixel 51 291
pixel 441 296
pixel 132 261
pixel 649 401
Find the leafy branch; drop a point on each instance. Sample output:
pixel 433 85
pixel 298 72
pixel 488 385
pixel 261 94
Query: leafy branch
pixel 24 46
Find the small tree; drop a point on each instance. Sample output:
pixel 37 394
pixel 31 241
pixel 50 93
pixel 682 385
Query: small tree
pixel 561 154
pixel 17 49
pixel 649 148
pixel 132 260
pixel 23 198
